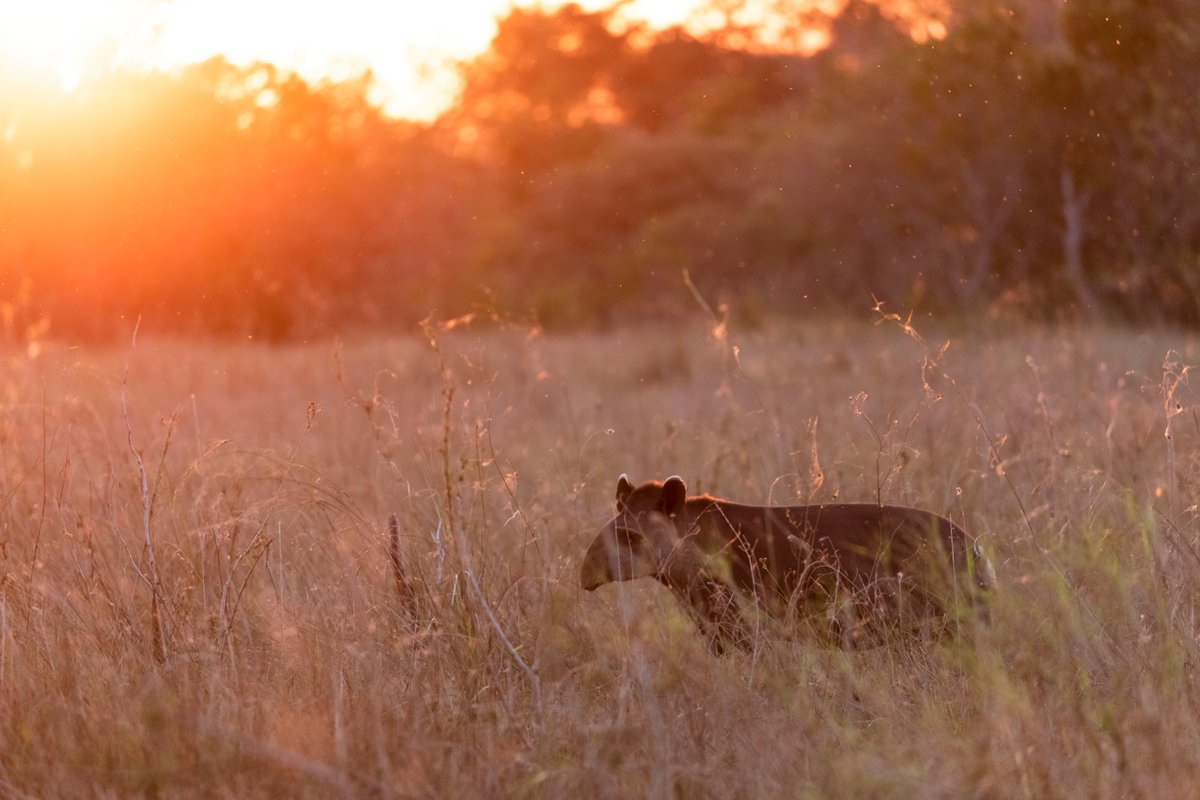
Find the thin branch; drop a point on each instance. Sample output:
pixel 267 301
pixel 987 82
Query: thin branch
pixel 160 644
pixel 534 682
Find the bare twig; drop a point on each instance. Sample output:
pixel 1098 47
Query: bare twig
pixel 41 525
pixel 447 420
pixel 516 504
pixel 1175 374
pixel 934 362
pixel 259 543
pixel 151 573
pixel 535 683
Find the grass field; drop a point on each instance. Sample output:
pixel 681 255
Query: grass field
pixel 197 597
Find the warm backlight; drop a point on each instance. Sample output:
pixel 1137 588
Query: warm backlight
pixel 409 47
pixel 61 41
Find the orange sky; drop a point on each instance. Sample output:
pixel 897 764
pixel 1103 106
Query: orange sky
pixel 407 43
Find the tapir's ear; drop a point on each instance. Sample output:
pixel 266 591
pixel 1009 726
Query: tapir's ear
pixel 624 489
pixel 674 493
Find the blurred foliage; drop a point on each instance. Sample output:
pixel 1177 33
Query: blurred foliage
pixel 222 200
pixel 1032 159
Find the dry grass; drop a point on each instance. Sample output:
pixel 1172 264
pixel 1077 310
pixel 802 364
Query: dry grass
pixel 283 658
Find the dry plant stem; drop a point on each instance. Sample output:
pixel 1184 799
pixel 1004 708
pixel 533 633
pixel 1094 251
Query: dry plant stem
pixel 531 675
pixel 882 477
pixel 258 547
pixel 1175 374
pixel 338 692
pixel 936 363
pixel 447 417
pixel 37 540
pixel 731 358
pixel 5 641
pixel 151 576
pixel 404 589
pixel 816 474
pixel 520 512
pixel 535 683
pixel 229 613
pixel 462 549
pixel 1051 433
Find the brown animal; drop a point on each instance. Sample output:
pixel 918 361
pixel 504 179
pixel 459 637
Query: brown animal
pixel 852 573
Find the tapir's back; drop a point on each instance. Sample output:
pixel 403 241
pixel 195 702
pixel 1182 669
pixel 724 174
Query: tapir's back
pixel 792 549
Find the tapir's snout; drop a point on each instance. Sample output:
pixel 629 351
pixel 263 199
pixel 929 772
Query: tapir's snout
pixel 594 571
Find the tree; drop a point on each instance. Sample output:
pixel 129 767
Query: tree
pixel 238 200
pixel 541 94
pixel 1140 64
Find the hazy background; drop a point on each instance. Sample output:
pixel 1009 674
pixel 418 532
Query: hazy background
pixel 1029 160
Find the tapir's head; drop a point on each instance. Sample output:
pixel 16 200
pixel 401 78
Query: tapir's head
pixel 639 540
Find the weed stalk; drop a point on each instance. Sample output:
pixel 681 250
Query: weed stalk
pixel 150 575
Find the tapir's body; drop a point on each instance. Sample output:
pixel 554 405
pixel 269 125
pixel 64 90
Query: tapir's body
pixel 850 571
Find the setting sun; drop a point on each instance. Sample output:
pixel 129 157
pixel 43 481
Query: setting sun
pixel 59 41
pixel 409 48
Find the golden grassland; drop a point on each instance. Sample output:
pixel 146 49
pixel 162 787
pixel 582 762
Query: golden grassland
pixel 197 596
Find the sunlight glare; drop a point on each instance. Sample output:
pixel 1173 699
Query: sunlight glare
pixel 410 48
pixel 61 40
pixel 406 46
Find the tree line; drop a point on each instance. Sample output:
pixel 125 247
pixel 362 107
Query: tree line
pixel 1033 159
